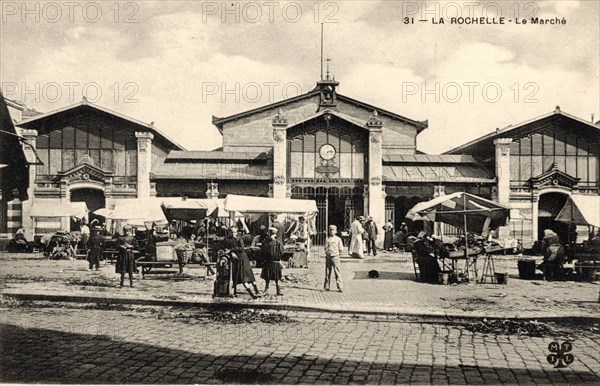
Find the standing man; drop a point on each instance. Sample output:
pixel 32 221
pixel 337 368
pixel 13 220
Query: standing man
pixel 333 249
pixel 371 235
pixel 272 250
pixel 356 234
pixel 85 235
pixel 279 226
pixel 95 246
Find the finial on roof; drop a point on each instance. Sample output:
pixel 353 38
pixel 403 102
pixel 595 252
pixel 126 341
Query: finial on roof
pixel 84 100
pixel 375 114
pixel 557 109
pixel 553 167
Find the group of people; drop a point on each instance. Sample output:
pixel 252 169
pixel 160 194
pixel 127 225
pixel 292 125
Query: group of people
pixel 365 231
pixel 272 251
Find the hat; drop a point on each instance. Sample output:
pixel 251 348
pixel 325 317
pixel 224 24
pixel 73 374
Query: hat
pixel 369 218
pixel 333 227
pixel 421 234
pixel 361 218
pixel 127 228
pixel 273 230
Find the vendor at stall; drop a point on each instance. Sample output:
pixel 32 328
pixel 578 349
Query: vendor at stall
pixel 554 254
pixel 278 226
pixel 424 249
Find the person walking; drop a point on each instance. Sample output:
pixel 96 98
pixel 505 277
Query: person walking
pixel 126 260
pixel 242 270
pixel 388 241
pixel 95 249
pixel 333 249
pixel 272 250
pixel 356 234
pixel 372 231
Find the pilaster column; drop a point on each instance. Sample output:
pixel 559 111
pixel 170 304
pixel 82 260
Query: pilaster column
pixel 280 125
pixel 144 162
pixel 438 190
pixel 26 221
pixel 212 190
pixel 503 177
pixel 376 193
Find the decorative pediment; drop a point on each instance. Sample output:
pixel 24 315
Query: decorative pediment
pixel 554 178
pixel 85 172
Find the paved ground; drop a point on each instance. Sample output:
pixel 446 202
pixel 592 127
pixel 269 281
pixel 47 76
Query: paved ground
pixel 394 292
pixel 69 343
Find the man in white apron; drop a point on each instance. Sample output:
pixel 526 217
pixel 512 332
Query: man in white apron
pixel 356 243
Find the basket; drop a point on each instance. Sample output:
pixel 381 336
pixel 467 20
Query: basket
pixel 183 255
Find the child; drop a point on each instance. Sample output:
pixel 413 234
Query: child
pixel 333 248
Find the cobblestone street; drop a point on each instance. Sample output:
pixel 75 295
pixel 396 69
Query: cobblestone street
pixel 70 343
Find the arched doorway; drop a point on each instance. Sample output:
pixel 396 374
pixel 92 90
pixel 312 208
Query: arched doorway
pixel 549 205
pixel 93 198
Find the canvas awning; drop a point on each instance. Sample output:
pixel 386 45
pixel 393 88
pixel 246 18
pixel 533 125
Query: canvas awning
pixel 58 209
pixel 462 209
pixel 251 204
pixel 581 209
pixel 138 211
pixel 188 209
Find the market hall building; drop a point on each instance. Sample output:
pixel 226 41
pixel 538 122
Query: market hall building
pixel 350 157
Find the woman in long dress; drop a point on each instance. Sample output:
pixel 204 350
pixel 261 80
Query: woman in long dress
pixel 242 270
pixel 126 260
pixel 388 241
pixel 272 250
pixel 356 243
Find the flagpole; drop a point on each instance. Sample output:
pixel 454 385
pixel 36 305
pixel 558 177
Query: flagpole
pixel 321 51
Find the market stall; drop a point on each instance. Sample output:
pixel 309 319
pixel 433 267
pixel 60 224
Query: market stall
pixel 287 210
pixel 584 210
pixel 475 215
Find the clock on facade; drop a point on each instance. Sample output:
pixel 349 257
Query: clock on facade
pixel 327 152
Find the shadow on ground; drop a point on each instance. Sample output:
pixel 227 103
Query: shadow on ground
pixel 39 355
pixel 385 275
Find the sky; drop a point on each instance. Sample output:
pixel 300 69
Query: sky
pixel 179 63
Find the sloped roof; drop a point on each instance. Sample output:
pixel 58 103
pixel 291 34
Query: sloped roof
pixel 31 123
pixel 217 170
pixel 214 155
pixel 429 158
pixel 528 126
pixel 423 173
pixel 219 122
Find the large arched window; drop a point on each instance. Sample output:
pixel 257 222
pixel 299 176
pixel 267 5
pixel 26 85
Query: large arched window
pixel 305 160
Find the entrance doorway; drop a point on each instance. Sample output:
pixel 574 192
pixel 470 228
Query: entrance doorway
pixel 93 198
pixel 549 205
pixel 336 206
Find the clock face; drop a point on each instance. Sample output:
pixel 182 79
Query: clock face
pixel 327 152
